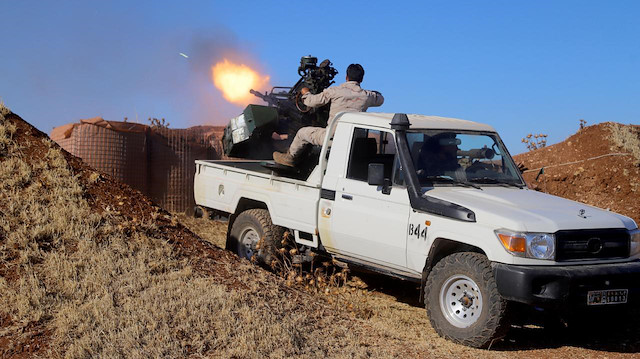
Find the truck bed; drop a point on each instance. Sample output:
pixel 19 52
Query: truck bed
pixel 222 185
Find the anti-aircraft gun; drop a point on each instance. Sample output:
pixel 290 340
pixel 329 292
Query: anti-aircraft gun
pixel 249 134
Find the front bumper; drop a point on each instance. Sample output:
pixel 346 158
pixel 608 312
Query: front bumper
pixel 557 286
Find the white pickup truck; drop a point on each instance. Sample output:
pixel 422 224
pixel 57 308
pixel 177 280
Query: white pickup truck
pixel 437 201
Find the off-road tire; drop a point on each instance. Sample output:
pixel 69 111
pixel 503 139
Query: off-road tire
pixel 198 212
pixel 259 221
pixel 492 321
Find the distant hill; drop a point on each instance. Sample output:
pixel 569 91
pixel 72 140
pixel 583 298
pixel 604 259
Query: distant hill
pixel 599 166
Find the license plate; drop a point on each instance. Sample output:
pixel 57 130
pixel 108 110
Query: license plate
pixel 611 296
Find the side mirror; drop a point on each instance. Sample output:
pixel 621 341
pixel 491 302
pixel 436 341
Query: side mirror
pixel 375 174
pixel 375 177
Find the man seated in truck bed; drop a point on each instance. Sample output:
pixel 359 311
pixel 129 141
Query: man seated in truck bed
pixel 347 97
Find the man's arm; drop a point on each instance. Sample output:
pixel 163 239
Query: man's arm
pixel 374 99
pixel 321 99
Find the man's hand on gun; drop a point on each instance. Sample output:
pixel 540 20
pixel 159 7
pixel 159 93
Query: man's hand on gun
pixel 279 137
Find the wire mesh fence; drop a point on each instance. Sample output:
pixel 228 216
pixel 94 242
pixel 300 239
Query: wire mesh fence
pixel 155 160
pixel 171 158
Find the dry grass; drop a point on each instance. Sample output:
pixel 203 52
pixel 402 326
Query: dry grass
pixel 212 231
pixel 3 110
pixel 6 130
pixel 626 138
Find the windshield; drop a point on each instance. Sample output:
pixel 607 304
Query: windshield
pixel 461 157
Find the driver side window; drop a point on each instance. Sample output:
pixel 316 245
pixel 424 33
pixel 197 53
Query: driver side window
pixel 370 146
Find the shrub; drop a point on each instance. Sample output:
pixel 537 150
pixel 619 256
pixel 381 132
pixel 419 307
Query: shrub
pixel 627 138
pixel 534 142
pixel 583 123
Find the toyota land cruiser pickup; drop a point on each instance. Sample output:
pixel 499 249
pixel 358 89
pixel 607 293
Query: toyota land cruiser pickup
pixel 438 201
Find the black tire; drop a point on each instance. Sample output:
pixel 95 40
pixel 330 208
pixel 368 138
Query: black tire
pixel 469 318
pixel 251 226
pixel 198 212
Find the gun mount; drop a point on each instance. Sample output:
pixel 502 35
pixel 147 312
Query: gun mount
pixel 249 134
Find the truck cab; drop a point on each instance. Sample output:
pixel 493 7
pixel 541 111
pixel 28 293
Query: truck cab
pixel 365 218
pixel 438 201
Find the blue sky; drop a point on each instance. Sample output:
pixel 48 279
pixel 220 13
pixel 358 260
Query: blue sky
pixel 520 66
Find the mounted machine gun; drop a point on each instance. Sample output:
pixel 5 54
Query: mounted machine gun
pixel 249 134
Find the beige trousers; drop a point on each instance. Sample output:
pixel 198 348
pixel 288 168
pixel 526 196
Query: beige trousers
pixel 305 136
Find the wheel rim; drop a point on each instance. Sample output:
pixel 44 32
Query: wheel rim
pixel 247 244
pixel 461 301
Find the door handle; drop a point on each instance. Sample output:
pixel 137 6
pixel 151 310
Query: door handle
pixel 346 196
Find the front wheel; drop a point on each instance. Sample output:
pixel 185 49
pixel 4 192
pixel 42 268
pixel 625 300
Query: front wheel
pixel 462 300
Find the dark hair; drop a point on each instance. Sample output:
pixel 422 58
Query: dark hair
pixel 355 72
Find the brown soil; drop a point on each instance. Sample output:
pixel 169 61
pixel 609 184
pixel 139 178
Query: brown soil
pixel 588 167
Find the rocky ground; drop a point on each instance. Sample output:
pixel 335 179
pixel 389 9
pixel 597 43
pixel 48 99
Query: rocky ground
pixel 91 268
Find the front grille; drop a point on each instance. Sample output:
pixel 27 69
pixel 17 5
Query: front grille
pixel 592 244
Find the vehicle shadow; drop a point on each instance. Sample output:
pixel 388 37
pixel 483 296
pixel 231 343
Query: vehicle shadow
pixel 404 291
pixel 531 329
pixel 612 331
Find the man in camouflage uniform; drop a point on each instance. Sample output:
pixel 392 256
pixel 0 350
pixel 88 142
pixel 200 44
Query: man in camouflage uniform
pixel 346 97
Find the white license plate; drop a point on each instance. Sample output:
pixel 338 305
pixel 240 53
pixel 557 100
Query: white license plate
pixel 610 296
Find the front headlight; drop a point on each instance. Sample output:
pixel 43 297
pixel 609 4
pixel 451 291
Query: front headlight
pixel 528 245
pixel 635 241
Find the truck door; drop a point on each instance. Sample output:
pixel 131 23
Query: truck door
pixel 365 223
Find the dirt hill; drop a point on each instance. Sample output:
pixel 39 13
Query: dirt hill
pixel 599 166
pixel 91 268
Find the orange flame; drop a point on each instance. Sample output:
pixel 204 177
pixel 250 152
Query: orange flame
pixel 235 81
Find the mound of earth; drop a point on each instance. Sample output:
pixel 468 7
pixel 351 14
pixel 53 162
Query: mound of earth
pixel 599 166
pixel 91 268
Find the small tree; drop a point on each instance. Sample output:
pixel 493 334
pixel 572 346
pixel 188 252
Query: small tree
pixel 583 123
pixel 534 142
pixel 158 123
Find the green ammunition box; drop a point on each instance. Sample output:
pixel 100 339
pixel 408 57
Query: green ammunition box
pixel 255 121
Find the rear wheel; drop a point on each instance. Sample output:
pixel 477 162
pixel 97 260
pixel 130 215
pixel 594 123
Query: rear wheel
pixel 462 300
pixel 254 236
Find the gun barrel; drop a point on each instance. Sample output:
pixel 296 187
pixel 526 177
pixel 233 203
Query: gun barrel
pixel 264 97
pixel 256 93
